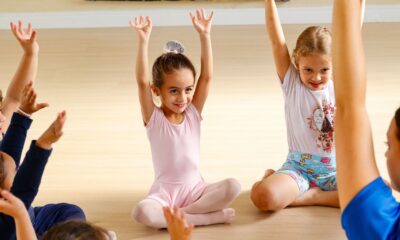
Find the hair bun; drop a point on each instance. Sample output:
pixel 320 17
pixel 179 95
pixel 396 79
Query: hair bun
pixel 173 47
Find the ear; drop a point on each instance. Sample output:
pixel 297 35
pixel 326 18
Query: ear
pixel 155 90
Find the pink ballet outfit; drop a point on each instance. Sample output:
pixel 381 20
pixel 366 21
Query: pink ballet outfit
pixel 175 151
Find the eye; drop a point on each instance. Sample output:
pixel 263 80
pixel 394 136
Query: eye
pixel 325 70
pixel 173 91
pixel 189 90
pixel 387 144
pixel 307 70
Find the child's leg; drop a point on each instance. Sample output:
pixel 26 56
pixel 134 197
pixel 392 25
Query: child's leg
pixel 150 213
pixel 316 196
pixel 215 197
pixel 52 214
pixel 274 192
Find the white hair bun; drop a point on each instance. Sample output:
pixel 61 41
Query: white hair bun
pixel 173 47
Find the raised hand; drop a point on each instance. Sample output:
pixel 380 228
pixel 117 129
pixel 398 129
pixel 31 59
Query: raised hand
pixel 142 27
pixel 201 23
pixel 11 205
pixel 26 38
pixel 53 133
pixel 176 222
pixel 28 101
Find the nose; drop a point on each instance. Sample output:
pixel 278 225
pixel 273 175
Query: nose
pixel 317 77
pixel 182 96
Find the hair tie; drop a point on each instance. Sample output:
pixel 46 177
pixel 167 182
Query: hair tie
pixel 174 47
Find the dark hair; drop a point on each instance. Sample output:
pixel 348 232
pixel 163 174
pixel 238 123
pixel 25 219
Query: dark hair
pixel 168 63
pixel 76 230
pixel 313 39
pixel 397 119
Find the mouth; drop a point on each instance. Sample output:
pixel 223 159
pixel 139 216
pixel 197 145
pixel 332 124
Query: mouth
pixel 180 105
pixel 315 85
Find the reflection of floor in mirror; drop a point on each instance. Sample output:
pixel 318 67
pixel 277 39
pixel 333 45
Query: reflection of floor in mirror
pixel 103 162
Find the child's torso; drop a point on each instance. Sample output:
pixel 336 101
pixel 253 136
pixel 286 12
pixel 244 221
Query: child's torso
pixel 175 147
pixel 309 116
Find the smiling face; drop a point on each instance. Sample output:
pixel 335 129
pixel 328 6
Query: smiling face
pixel 315 70
pixel 176 93
pixel 393 155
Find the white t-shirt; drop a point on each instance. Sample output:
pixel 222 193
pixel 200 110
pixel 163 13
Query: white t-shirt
pixel 309 115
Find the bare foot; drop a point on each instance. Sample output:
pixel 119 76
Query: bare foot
pixel 317 197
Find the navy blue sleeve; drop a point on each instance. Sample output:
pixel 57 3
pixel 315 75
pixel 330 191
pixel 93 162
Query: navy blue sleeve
pixel 14 139
pixel 7 227
pixel 372 214
pixel 27 180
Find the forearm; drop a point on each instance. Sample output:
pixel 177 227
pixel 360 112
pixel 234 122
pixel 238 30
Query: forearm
pixel 24 228
pixel 27 71
pixel 14 139
pixel 27 180
pixel 273 25
pixel 277 39
pixel 207 61
pixel 142 64
pixel 348 56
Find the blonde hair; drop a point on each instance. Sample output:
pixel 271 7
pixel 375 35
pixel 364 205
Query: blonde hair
pixel 313 39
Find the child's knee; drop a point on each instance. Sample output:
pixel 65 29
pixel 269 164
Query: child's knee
pixel 265 198
pixel 232 189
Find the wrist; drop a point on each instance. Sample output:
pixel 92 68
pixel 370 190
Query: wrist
pixel 44 144
pixel 31 53
pixel 24 112
pixel 205 37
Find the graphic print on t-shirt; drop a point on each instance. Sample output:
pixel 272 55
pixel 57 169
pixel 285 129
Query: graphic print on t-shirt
pixel 322 122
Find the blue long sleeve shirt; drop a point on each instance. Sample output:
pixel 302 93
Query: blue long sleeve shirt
pixel 29 175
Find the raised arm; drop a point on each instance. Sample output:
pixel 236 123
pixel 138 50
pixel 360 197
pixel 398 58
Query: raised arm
pixel 14 139
pixel 142 27
pixel 354 148
pixel 26 71
pixel 202 24
pixel 27 180
pixel 277 38
pixel 14 207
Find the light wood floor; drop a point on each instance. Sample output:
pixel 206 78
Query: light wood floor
pixel 103 162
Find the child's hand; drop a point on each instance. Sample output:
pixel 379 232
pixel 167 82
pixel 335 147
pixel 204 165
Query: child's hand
pixel 142 27
pixel 11 205
pixel 28 101
pixel 201 23
pixel 27 39
pixel 53 133
pixel 177 224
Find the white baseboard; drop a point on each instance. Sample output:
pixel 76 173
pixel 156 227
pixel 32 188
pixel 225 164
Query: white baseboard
pixel 179 17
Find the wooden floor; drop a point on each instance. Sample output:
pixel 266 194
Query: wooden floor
pixel 103 162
